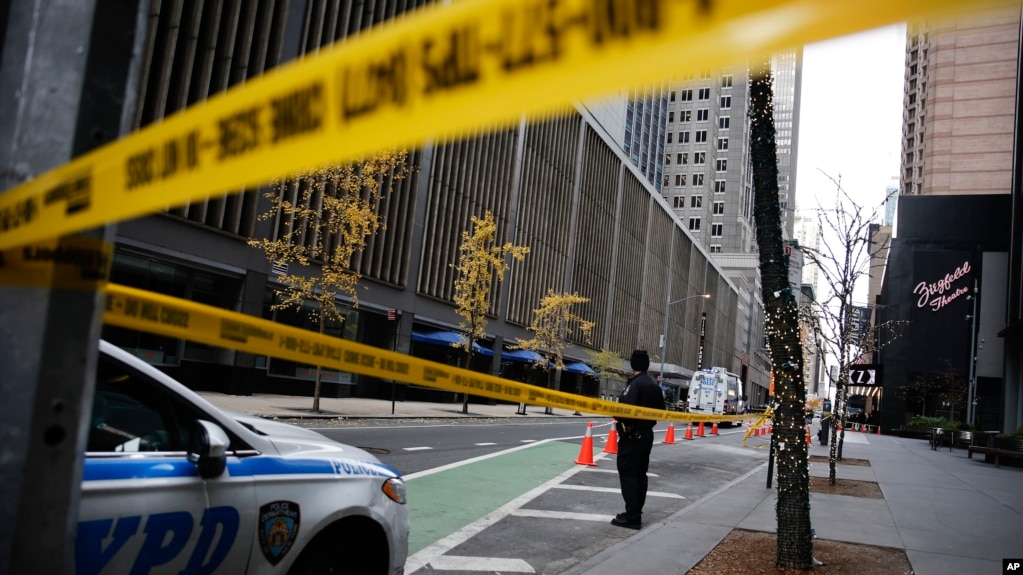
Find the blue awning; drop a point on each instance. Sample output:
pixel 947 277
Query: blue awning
pixel 579 367
pixel 523 355
pixel 447 338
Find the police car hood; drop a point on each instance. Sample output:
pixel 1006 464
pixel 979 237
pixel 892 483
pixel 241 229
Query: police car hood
pixel 291 440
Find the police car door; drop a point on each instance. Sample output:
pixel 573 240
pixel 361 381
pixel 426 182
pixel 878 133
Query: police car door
pixel 144 507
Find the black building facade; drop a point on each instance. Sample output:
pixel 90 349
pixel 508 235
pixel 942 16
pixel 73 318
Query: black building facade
pixel 942 303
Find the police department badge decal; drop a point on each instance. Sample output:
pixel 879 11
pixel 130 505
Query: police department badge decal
pixel 278 528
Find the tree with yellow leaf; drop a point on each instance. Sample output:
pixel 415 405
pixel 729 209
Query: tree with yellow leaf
pixel 481 261
pixel 553 322
pixel 607 364
pixel 323 219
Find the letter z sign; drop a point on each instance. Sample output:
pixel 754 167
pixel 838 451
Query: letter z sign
pixel 865 375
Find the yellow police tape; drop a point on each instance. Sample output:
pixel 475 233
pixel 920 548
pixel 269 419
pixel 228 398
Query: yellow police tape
pixel 157 313
pixel 76 262
pixel 436 71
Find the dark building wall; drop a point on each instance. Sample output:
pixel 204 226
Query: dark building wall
pixel 925 304
pixel 556 184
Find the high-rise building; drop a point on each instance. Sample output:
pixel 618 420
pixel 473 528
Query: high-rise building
pixel 955 244
pixel 960 104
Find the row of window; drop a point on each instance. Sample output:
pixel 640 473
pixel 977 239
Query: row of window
pixel 696 201
pixel 696 181
pixel 686 95
pixel 702 114
pixel 699 136
pixel 716 228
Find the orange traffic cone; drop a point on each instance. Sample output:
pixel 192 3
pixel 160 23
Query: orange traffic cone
pixel 809 441
pixel 612 441
pixel 714 428
pixel 699 430
pixel 770 428
pixel 669 437
pixel 689 431
pixel 586 452
pixel 879 430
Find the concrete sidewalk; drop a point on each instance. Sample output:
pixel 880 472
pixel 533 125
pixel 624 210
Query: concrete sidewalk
pixel 951 515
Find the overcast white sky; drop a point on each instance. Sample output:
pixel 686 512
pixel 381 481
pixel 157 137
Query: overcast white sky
pixel 851 116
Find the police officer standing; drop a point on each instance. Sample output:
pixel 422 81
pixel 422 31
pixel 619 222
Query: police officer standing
pixel 635 439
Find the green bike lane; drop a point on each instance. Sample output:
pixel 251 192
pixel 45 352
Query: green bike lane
pixel 443 502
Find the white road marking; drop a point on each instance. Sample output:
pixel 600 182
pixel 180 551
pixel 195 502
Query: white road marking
pixel 543 514
pixel 528 440
pixel 431 552
pixel 615 490
pixel 615 471
pixel 416 448
pixel 485 444
pixel 487 564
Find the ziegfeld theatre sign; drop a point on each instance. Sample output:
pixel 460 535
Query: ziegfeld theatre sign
pixel 938 294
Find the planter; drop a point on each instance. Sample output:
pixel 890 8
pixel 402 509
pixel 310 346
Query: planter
pixel 1012 443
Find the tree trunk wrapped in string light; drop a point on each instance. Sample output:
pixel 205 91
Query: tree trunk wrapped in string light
pixel 795 536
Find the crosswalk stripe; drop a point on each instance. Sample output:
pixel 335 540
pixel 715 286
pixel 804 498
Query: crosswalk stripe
pixel 486 564
pixel 616 490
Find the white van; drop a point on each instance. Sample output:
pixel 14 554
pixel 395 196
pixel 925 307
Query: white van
pixel 715 390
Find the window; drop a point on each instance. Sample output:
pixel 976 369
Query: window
pixel 704 94
pixel 719 208
pixel 697 179
pixel 685 96
pixel 680 180
pixel 694 224
pixel 702 115
pixel 699 158
pixel 909 157
pixel 726 102
pixel 683 138
pixel 671 96
pixel 721 165
pixel 685 115
pixel 716 230
pixel 722 144
pixel 910 141
pixel 682 158
pixel 669 137
pixel 130 413
pixel 671 117
pixel 723 122
pixel 726 81
pixel 719 186
pixel 696 201
pixel 701 136
pixel 679 202
pixel 715 248
pixel 667 181
pixel 912 98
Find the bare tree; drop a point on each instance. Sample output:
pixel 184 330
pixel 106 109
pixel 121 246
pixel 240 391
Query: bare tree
pixel 482 260
pixel 795 536
pixel 323 219
pixel 843 261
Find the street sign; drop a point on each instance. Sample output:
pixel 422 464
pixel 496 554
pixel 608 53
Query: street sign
pixel 392 314
pixel 865 375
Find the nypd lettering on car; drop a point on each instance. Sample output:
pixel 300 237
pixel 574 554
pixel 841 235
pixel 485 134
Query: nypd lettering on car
pixel 172 484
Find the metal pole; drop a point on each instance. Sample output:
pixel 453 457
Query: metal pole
pixel 972 384
pixel 664 335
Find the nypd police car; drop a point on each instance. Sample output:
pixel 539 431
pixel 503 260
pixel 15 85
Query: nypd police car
pixel 172 484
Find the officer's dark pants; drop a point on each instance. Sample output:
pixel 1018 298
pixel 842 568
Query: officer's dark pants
pixel 633 462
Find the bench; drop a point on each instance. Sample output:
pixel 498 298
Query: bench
pixel 996 452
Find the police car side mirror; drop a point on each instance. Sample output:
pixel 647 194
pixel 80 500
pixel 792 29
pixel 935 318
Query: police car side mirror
pixel 207 449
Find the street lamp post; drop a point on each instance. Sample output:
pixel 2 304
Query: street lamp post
pixel 664 334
